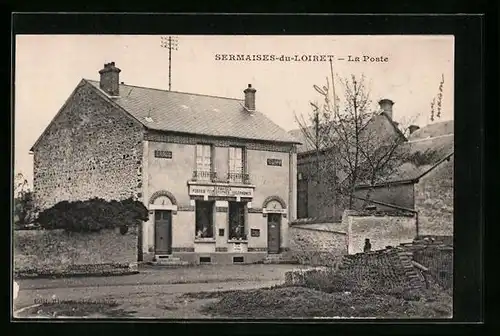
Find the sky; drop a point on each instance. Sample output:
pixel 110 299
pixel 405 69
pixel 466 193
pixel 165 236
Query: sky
pixel 48 68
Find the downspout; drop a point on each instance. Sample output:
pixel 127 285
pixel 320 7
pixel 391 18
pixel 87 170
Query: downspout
pixel 292 195
pixel 146 227
pixel 292 187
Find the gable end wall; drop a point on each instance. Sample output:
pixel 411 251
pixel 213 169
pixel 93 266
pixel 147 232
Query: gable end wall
pixel 434 200
pixel 91 149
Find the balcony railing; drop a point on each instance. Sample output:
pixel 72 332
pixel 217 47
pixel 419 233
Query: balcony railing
pixel 238 178
pixel 208 176
pixel 200 175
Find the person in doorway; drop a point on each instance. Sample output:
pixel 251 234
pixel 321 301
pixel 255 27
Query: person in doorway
pixel 368 245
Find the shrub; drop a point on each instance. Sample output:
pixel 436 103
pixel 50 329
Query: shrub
pixel 93 215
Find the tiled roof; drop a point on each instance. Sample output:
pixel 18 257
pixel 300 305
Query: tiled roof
pixel 307 145
pixel 424 149
pixel 433 130
pixel 196 114
pixel 423 155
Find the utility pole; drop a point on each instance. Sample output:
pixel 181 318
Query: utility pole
pixel 171 43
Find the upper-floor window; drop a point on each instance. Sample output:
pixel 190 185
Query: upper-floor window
pixel 203 161
pixel 236 164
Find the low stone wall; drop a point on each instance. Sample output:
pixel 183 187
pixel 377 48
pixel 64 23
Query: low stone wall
pixel 300 277
pixel 379 271
pixel 437 256
pixel 60 253
pixel 317 244
pixel 383 229
pixel 382 270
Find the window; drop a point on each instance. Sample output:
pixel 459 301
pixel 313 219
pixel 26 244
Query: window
pixel 205 260
pixel 237 221
pixel 274 162
pixel 236 164
pixel 238 260
pixel 204 219
pixel 163 154
pixel 203 162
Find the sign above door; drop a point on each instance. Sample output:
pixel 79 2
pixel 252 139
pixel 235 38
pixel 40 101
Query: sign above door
pixel 220 191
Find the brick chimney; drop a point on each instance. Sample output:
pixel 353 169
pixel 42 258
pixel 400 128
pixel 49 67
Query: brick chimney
pixel 413 128
pixel 110 79
pixel 386 106
pixel 250 98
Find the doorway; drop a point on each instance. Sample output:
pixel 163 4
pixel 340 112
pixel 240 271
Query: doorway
pixel 163 232
pixel 273 233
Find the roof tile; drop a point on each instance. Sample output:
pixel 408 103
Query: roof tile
pixel 197 114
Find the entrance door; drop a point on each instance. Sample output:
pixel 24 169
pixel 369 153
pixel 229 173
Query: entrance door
pixel 273 232
pixel 163 232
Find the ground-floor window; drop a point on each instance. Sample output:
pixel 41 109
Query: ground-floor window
pixel 204 219
pixel 237 221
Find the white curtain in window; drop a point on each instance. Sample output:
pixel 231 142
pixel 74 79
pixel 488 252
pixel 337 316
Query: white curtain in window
pixel 235 160
pixel 203 158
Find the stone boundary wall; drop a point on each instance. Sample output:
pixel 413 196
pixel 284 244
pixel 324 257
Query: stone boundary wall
pixel 378 271
pixel 317 244
pixel 388 228
pixel 435 253
pixel 385 270
pixel 61 253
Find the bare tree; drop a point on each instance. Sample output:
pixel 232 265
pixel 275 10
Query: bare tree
pixel 351 142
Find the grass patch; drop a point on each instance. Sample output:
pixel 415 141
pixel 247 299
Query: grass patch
pixel 207 295
pixel 300 302
pixel 219 294
pixel 77 309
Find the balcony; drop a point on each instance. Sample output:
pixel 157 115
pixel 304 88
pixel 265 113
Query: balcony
pixel 238 178
pixel 206 176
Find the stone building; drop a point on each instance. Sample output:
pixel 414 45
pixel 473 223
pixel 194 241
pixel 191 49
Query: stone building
pixel 316 196
pixel 218 177
pixel 424 181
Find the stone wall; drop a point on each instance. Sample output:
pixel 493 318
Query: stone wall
pixel 57 252
pixel 91 149
pixel 382 270
pixel 379 271
pixel 383 229
pixel 434 200
pixel 437 255
pixel 317 244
